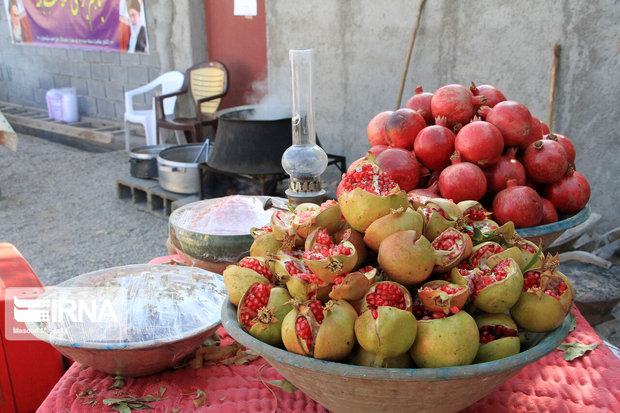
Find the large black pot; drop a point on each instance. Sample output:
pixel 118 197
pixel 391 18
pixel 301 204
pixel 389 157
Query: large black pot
pixel 251 140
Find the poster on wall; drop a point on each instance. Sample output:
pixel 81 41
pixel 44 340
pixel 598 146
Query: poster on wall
pixel 106 25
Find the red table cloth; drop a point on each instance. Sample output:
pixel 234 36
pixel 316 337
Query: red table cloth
pixel 587 384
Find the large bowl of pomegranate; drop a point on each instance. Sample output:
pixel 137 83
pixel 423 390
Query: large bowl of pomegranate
pixel 132 320
pixel 377 302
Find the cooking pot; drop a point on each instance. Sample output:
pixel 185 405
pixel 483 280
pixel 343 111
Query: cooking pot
pixel 251 139
pixel 177 170
pixel 143 161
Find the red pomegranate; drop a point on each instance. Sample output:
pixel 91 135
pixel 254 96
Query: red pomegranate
pixel 545 161
pixel 377 149
pixel 376 129
pixel 479 142
pixel 492 94
pixel 462 181
pixel 513 119
pixel 421 103
pixel 434 145
pixel 570 194
pixel 550 215
pixel 506 168
pixel 545 128
pixel 517 203
pixel 402 126
pixel 402 166
pixel 456 103
pixel 534 135
pixel 566 144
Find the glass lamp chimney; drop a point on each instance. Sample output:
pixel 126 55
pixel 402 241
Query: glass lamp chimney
pixel 304 161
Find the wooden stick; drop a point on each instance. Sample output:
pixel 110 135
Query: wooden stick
pixel 411 43
pixel 554 72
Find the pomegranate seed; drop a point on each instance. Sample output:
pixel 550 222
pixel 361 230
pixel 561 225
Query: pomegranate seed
pixel 317 309
pixel 475 214
pixel 489 333
pixel 256 265
pixel 257 298
pixel 304 332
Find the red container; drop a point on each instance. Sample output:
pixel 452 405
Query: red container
pixel 28 369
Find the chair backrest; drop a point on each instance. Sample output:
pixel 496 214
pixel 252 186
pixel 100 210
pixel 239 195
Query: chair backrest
pixel 208 79
pixel 170 82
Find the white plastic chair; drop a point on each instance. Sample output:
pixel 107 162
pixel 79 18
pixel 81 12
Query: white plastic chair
pixel 169 82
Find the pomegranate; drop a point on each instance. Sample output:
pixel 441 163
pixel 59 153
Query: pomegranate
pixel 402 166
pixel 402 127
pixel 446 342
pixel 569 194
pixel 283 231
pixel 325 258
pixel 534 135
pixel 545 128
pixel 264 243
pixel 498 337
pixel 442 296
pixel 456 103
pixel 546 299
pixel 376 128
pixel 512 118
pixel 376 150
pixel 494 288
pixel 361 357
pixel 434 145
pixel 438 214
pixel 545 161
pixel 309 216
pixel 386 327
pixel 407 257
pixel 261 311
pixel 462 181
pixel 566 144
pixel 401 219
pixel 507 167
pixel 550 215
pixel 368 193
pixel 479 142
pixel 420 196
pixel 492 95
pixel 421 103
pixel 238 278
pixel 519 204
pixel 480 254
pixel 353 286
pixel 324 333
pixel 346 233
pixel 451 247
pixel 299 279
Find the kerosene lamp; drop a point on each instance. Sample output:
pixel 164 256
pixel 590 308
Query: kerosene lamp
pixel 304 161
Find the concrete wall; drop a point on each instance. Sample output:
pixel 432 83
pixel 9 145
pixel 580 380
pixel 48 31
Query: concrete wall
pixel 361 46
pixel 176 39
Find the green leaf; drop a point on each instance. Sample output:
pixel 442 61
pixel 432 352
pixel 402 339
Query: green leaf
pixel 122 407
pixel 534 259
pixel 119 383
pixel 573 322
pixel 285 385
pixel 574 350
pixel 201 398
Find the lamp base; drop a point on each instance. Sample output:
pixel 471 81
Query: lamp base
pixel 296 198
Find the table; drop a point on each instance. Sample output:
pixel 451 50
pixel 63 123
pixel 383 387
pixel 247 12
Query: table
pixel 587 384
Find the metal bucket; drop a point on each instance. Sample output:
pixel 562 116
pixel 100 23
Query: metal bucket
pixel 143 161
pixel 177 170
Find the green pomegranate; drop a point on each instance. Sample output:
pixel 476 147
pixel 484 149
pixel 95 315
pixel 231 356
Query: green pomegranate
pixel 498 337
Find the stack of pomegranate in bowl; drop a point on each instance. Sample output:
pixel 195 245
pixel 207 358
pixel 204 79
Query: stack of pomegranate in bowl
pixel 474 144
pixel 355 301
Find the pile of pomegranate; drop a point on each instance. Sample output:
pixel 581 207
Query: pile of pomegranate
pixel 472 144
pixel 386 279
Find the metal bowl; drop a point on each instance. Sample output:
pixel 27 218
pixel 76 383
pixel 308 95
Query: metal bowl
pixel 550 232
pixel 161 314
pixel 346 388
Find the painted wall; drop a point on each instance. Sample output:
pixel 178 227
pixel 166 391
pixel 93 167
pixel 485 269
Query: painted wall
pixel 361 46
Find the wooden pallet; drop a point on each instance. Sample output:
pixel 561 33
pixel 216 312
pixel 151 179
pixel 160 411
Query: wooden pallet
pixel 37 122
pixel 148 196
